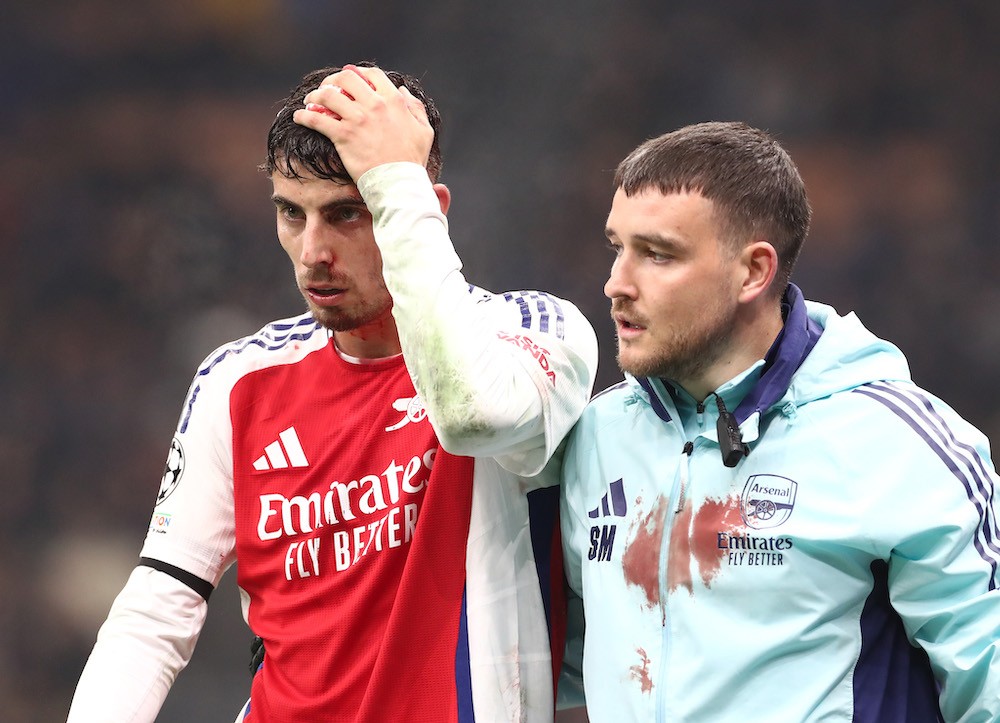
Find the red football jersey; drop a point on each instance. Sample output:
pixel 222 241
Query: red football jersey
pixel 334 464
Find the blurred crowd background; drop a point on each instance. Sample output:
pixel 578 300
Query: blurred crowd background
pixel 136 233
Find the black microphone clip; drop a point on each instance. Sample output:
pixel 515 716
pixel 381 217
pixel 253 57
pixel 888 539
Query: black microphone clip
pixel 731 442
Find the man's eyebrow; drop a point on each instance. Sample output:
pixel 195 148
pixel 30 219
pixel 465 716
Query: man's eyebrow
pixel 280 200
pixel 342 202
pixel 655 239
pixel 651 239
pixel 325 208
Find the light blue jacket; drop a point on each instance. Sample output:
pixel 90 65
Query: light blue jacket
pixel 845 570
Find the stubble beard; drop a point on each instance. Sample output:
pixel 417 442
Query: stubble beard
pixel 340 319
pixel 354 316
pixel 683 355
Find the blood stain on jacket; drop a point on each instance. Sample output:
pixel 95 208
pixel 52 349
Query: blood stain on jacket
pixel 640 673
pixel 714 517
pixel 641 558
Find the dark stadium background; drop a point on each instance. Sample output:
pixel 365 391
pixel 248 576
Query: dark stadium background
pixel 136 234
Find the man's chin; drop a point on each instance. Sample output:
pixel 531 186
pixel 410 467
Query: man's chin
pixel 642 365
pixel 337 320
pixel 333 322
pixel 635 365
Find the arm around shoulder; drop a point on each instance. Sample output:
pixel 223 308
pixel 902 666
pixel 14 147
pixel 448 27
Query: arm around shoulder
pixel 501 375
pixel 524 384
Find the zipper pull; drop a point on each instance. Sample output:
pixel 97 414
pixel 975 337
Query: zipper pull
pixel 688 449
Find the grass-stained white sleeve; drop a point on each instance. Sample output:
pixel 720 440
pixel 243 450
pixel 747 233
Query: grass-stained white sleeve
pixel 501 375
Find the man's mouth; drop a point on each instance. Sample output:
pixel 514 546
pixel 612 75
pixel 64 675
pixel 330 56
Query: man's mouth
pixel 627 327
pixel 324 295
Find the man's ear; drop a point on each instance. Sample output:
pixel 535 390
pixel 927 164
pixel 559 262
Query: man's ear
pixel 760 264
pixel 444 197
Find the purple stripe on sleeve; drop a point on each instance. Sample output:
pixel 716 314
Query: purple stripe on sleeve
pixel 949 460
pixel 541 306
pixel 264 339
pixel 964 454
pixel 543 313
pixel 523 305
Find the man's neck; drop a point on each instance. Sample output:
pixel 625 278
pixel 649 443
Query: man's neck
pixel 369 342
pixel 749 343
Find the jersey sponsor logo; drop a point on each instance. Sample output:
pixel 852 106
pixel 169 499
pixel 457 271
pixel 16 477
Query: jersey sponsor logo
pixel 540 354
pixel 413 411
pixel 373 513
pixel 753 551
pixel 767 500
pixel 283 452
pixel 172 471
pixel 602 537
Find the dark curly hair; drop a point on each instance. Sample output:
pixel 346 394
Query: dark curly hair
pixel 292 148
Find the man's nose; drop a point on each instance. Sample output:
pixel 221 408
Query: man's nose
pixel 619 283
pixel 317 246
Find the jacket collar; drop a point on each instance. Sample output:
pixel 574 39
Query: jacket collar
pixel 791 347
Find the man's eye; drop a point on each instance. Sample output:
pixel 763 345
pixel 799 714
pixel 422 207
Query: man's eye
pixel 289 212
pixel 349 213
pixel 616 249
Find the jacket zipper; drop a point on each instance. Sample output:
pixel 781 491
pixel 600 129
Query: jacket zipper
pixel 666 643
pixel 682 492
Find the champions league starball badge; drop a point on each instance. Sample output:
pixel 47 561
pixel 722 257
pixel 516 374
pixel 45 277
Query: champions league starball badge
pixel 172 471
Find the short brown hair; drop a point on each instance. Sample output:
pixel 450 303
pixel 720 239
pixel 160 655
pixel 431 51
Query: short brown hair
pixel 291 147
pixel 749 177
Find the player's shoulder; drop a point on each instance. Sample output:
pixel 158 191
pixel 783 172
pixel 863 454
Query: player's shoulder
pixel 610 408
pixel 279 342
pixel 534 309
pixel 519 297
pixel 607 424
pixel 611 402
pixel 908 414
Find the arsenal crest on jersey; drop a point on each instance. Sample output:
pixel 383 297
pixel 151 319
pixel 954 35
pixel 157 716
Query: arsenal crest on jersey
pixel 767 500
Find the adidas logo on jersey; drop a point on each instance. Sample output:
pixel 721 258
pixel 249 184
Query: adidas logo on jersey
pixel 284 452
pixel 602 536
pixel 612 503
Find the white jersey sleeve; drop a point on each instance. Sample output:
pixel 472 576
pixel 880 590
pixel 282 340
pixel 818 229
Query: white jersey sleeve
pixel 501 375
pixel 151 631
pixel 193 522
pixel 146 641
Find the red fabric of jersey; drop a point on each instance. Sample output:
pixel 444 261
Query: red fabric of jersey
pixel 351 530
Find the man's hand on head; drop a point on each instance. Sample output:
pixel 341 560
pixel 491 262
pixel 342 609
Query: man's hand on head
pixel 369 119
